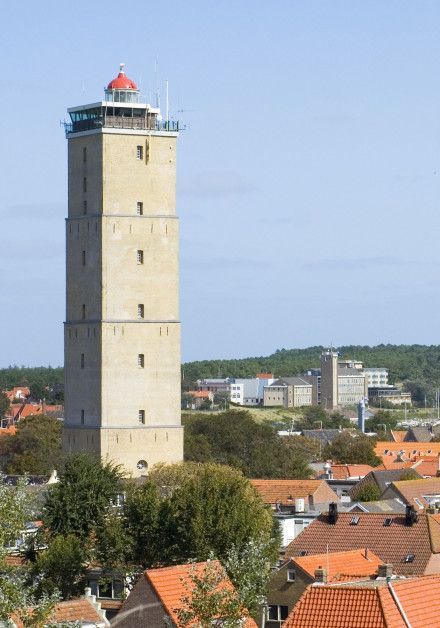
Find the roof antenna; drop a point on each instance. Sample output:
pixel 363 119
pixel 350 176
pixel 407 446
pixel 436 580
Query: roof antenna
pixel 156 73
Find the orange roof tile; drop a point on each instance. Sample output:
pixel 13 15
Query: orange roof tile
pixel 337 607
pixel 398 435
pixel 285 491
pixel 168 583
pixel 72 611
pixel 8 431
pixel 200 394
pixel 345 471
pixel 410 450
pixel 412 490
pixel 341 566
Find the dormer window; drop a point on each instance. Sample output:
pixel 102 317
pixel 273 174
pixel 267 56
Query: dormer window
pixel 291 575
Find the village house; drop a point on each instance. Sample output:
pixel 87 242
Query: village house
pixel 296 503
pixel 290 580
pixel 84 612
pixel 158 594
pixel 404 603
pixel 421 494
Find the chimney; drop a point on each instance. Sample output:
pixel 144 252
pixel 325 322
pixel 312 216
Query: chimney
pixel 385 571
pixel 438 466
pixel 333 513
pixel 410 516
pixel 321 575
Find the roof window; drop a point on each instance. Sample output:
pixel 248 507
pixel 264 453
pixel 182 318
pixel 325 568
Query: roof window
pixel 354 521
pixel 388 521
pixel 409 558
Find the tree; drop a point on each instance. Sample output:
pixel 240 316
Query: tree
pixel 249 570
pixel 348 449
pixel 233 438
pixel 35 448
pixel 4 404
pixel 80 501
pixel 380 419
pixel 213 510
pixel 16 595
pixel 141 523
pixel 369 492
pixel 61 567
pixel 209 601
pixel 187 400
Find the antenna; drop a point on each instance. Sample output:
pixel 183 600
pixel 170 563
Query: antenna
pixel 156 74
pixel 167 112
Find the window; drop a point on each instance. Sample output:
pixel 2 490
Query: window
pixel 83 257
pixel 290 575
pixel 140 152
pixel 141 310
pixel 277 613
pixel 83 312
pixel 85 184
pixel 82 417
pixel 84 207
pixel 141 360
pixel 140 257
pixel 140 208
pixel 142 416
pixel 354 521
pixel 409 558
pixel 82 360
pixel 388 521
pixel 84 155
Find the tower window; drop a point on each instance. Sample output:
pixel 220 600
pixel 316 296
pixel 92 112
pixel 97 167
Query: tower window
pixel 84 207
pixel 83 312
pixel 141 310
pixel 82 417
pixel 82 360
pixel 141 360
pixel 83 258
pixel 85 184
pixel 139 208
pixel 142 416
pixel 84 155
pixel 140 152
pixel 140 257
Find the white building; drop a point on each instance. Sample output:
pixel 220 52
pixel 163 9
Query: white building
pixel 376 377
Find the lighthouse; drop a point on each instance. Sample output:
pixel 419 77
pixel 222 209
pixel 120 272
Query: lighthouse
pixel 122 329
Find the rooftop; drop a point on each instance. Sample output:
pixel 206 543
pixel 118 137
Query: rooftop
pixel 341 566
pixel 285 491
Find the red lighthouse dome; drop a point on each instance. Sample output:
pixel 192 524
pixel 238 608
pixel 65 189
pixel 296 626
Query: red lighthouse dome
pixel 121 81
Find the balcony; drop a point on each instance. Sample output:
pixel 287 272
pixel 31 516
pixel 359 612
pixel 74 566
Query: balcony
pixel 138 123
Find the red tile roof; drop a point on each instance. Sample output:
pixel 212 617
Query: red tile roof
pixel 341 566
pixel 393 543
pixel 8 431
pixel 387 449
pixel 345 471
pixel 72 611
pixel 168 583
pixel 412 490
pixel 337 607
pixel 398 435
pixel 382 606
pixel 200 394
pixel 284 491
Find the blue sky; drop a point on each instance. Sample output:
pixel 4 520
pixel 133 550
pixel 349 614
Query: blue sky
pixel 308 176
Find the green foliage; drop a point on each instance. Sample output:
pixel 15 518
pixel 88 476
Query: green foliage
pixel 40 380
pixel 187 400
pixel 4 404
pixel 302 447
pixel 35 448
pixel 233 438
pixel 249 569
pixel 377 422
pixel 79 502
pixel 208 602
pixel 141 522
pixel 14 513
pixel 369 492
pixel 214 509
pixel 315 417
pixel 348 449
pixel 61 567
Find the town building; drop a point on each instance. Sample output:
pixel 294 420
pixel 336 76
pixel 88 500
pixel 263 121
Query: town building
pixel 390 394
pixel 122 330
pixel 419 493
pixel 215 385
pixel 384 603
pixel 289 581
pixel 376 377
pixel 158 595
pixel 295 503
pixel 410 541
pixel 250 392
pixel 289 392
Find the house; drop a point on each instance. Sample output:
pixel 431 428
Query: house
pixel 199 397
pixel 410 542
pixel 290 580
pixel 289 392
pixel 159 593
pixel 296 503
pixel 405 450
pixel 215 385
pixel 408 603
pixel 420 494
pixel 18 392
pixel 343 477
pixel 380 480
pixel 83 612
pixel 384 506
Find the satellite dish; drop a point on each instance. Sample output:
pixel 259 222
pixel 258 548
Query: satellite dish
pixel 141 465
